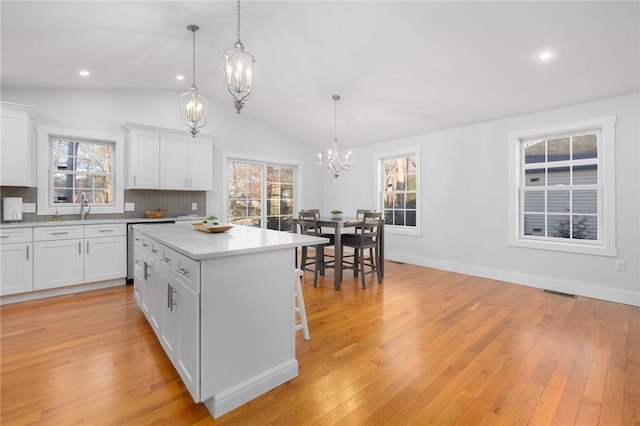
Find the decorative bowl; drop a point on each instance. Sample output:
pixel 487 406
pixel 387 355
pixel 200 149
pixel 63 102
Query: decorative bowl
pixel 155 214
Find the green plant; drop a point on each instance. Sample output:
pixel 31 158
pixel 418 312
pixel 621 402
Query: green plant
pixel 336 212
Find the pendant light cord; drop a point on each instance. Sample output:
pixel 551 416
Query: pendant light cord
pixel 194 56
pixel 238 20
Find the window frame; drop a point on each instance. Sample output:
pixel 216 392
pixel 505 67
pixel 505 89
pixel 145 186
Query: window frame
pixel 45 184
pixel 605 245
pixel 264 162
pixel 380 159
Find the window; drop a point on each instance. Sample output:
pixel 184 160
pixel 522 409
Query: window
pixel 78 162
pixel 399 194
pixel 81 167
pixel 252 186
pixel 562 186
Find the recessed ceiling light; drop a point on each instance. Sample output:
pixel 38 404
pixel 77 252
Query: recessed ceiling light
pixel 84 73
pixel 545 55
pixel 180 77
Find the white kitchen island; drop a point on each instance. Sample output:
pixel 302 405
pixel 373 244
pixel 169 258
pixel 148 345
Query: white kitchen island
pixel 222 306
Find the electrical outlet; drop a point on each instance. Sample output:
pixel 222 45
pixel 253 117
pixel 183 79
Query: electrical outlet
pixel 129 207
pixel 620 265
pixel 28 207
pixel 194 206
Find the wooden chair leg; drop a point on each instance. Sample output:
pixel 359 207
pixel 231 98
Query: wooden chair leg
pixel 317 266
pixel 377 263
pixel 362 274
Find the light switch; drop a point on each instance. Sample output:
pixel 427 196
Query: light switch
pixel 129 207
pixel 194 206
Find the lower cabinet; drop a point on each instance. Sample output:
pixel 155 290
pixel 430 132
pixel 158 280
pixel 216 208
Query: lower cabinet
pixel 64 257
pixel 16 258
pixel 166 286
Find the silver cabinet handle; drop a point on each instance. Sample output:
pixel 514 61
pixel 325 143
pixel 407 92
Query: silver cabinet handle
pixel 106 230
pixel 170 302
pixel 145 268
pixel 60 233
pixel 182 271
pixel 27 252
pixel 87 247
pixel 5 236
pixel 165 259
pixel 79 247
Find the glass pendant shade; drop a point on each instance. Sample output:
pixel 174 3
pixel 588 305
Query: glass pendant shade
pixel 193 106
pixel 239 68
pixel 194 110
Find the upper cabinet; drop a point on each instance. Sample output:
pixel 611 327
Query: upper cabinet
pixel 168 159
pixel 17 145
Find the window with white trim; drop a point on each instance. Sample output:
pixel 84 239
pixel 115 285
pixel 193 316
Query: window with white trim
pixel 75 162
pixel 564 186
pixel 400 192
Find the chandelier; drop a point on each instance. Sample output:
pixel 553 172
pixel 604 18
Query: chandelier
pixel 333 163
pixel 193 106
pixel 238 65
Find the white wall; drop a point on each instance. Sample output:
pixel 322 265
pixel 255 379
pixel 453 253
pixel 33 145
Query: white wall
pixel 464 205
pixel 107 110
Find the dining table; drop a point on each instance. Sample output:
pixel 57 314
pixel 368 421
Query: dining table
pixel 338 224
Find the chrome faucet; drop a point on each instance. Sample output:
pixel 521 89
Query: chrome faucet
pixel 84 203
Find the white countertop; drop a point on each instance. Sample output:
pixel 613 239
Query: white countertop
pixel 199 245
pixel 96 222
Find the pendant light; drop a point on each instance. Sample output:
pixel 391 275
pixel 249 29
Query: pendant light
pixel 238 65
pixel 193 106
pixel 333 163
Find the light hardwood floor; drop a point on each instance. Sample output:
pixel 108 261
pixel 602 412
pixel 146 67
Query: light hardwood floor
pixel 426 347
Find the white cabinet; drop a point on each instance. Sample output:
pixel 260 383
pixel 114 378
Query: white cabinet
pixel 167 284
pixel 17 145
pixel 143 159
pixel 105 252
pixel 70 255
pixel 168 159
pixel 16 258
pixel 58 256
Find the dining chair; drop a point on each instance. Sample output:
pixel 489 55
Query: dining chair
pixel 359 215
pixel 299 307
pixel 367 238
pixel 308 225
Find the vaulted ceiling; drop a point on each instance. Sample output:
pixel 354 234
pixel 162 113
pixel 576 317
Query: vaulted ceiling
pixel 402 68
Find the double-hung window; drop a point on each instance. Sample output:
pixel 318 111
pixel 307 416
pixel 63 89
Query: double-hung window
pixel 399 192
pixel 563 188
pixel 75 164
pixel 260 194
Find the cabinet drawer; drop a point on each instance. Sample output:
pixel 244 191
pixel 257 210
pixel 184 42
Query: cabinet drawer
pixel 186 270
pixel 51 233
pixel 16 235
pixel 106 230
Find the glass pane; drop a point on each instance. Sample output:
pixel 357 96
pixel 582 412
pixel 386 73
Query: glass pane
pixel 388 217
pixel 585 227
pixel 101 182
pixel 286 175
pixel 558 226
pixel 254 208
pixel 273 207
pixel 273 174
pixel 287 191
pixel 273 190
pixel 401 183
pixel 534 201
pixel 585 201
pixel 558 149
pixel 411 165
pixel 534 225
pixel 62 180
pixel 558 176
pixel 585 175
pixel 411 218
pixel 63 195
pixel 534 152
pixel 585 146
pixel 398 202
pixel 398 218
pixel 411 200
pixel 411 183
pixel 102 197
pixel 286 207
pixel 286 223
pixel 82 181
pixel 534 177
pixel 255 191
pixel 388 201
pixel 273 222
pixel 558 201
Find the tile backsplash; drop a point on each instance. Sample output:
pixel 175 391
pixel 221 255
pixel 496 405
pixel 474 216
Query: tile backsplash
pixel 177 203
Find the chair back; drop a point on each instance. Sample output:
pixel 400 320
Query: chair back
pixel 369 229
pixel 360 212
pixel 316 211
pixel 308 223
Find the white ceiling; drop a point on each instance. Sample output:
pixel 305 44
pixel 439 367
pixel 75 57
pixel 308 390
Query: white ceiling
pixel 402 68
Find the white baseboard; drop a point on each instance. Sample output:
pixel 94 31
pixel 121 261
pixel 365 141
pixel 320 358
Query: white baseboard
pixel 234 397
pixel 41 294
pixel 564 286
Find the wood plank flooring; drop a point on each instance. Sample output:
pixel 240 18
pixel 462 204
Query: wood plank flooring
pixel 426 347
